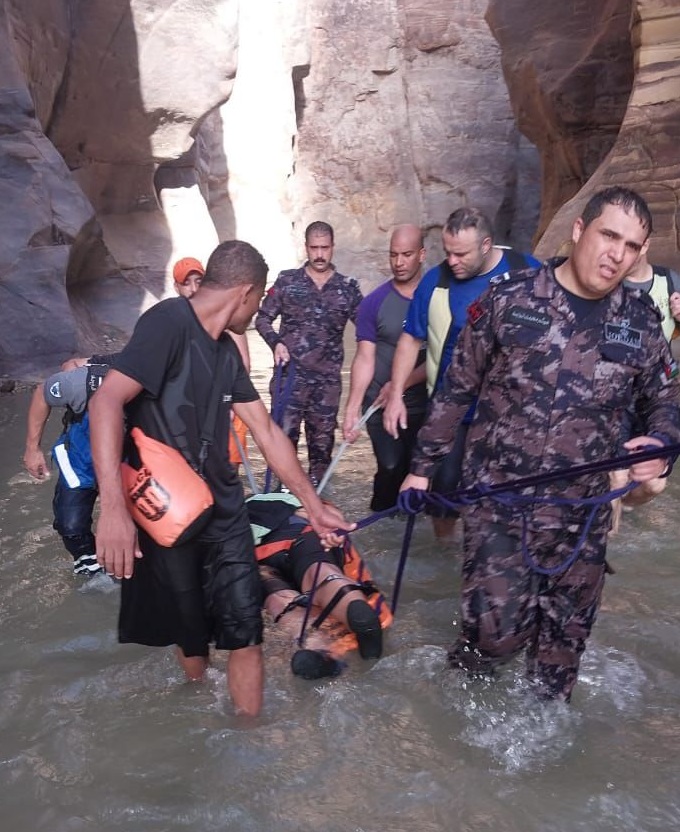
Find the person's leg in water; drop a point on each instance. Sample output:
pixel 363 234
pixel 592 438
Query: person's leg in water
pixel 314 660
pixel 72 509
pixel 245 676
pixel 232 596
pixel 352 609
pixel 568 607
pixel 447 479
pixel 194 667
pixel 392 458
pixel 498 599
pixel 321 418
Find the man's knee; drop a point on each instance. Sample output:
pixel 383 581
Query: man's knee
pixel 494 623
pixel 73 512
pixel 73 523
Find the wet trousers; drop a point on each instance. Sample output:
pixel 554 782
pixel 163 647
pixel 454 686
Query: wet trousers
pixel 72 508
pixel 314 399
pixel 508 606
pixel 393 457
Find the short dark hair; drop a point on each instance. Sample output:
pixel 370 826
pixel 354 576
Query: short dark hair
pixel 625 198
pixel 469 218
pixel 322 229
pixel 235 263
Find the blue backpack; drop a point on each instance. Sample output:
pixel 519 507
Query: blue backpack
pixel 72 454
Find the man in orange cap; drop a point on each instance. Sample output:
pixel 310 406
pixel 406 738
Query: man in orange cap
pixel 187 274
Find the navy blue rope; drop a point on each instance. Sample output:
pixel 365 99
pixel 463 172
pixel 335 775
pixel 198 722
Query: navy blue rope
pixel 412 501
pixel 280 397
pixel 405 546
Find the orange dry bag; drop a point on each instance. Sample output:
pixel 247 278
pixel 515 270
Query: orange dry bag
pixel 166 497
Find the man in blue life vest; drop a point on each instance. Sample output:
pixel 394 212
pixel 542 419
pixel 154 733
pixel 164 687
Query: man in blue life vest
pixel 436 316
pixel 75 491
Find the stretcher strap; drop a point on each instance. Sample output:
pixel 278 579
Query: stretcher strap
pixel 301 600
pixel 335 600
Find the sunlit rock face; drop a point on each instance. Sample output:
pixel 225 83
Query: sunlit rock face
pixel 138 132
pixel 597 87
pixel 569 68
pixel 403 116
pixel 368 114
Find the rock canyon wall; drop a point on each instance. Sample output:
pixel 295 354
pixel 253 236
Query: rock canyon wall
pixel 138 131
pixel 596 87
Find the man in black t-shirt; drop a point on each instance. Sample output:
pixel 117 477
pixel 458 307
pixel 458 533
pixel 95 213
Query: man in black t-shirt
pixel 208 590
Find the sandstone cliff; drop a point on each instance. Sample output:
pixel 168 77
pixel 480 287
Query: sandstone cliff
pixel 134 133
pixel 596 86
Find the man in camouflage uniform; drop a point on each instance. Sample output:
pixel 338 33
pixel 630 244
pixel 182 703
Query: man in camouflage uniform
pixel 314 304
pixel 556 356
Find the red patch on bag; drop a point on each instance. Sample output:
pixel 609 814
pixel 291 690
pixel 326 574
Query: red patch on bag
pixel 475 312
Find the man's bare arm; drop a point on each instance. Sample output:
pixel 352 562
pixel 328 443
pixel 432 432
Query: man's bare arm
pixel 280 454
pixel 361 375
pixel 38 414
pixel 116 533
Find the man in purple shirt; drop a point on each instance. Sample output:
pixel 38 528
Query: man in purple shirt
pixel 380 322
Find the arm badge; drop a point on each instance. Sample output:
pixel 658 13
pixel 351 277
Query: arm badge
pixel 475 312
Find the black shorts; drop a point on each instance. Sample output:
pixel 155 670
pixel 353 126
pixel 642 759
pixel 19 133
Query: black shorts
pixel 286 569
pixel 194 595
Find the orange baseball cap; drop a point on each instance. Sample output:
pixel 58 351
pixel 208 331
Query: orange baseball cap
pixel 184 267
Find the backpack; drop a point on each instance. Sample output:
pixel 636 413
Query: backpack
pixel 71 451
pixel 667 273
pixel 72 454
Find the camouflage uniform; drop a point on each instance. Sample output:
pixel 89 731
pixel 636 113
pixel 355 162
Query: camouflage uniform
pixel 553 393
pixel 312 325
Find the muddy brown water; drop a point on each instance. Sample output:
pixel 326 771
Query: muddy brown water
pixel 99 736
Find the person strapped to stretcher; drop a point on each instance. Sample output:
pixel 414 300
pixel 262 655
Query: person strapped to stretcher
pixel 296 570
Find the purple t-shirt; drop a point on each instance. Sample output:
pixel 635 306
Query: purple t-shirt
pixel 380 320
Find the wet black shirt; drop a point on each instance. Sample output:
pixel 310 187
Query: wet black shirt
pixel 180 366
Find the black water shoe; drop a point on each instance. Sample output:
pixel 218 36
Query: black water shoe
pixel 314 664
pixel 364 622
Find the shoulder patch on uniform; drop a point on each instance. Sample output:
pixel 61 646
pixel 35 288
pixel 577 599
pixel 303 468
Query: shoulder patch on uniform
pixel 475 312
pixel 513 276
